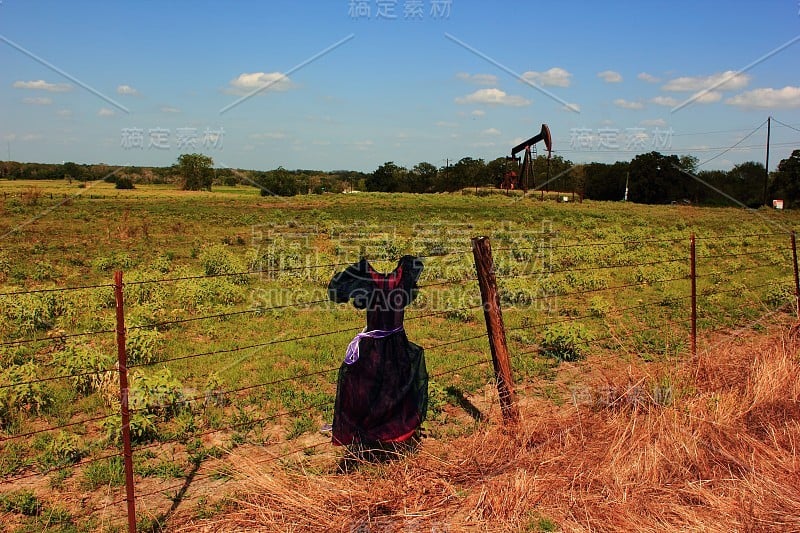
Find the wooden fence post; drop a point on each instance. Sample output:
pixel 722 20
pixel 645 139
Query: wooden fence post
pixel 484 265
pixel 122 357
pixel 796 276
pixel 693 275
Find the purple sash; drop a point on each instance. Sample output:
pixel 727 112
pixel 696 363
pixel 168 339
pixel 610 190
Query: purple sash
pixel 352 348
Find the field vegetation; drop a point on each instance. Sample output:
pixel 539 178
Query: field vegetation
pixel 233 349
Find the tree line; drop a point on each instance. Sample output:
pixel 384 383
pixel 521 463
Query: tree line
pixel 651 178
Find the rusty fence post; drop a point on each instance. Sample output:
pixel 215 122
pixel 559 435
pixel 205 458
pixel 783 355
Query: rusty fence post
pixel 490 298
pixel 122 357
pixel 796 276
pixel 693 276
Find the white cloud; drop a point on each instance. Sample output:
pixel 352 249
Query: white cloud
pixel 478 113
pixel 105 112
pixel 266 81
pixel 610 76
pixel 479 79
pixel 660 122
pixel 443 124
pixel 491 131
pixel 707 97
pixel 722 81
pixel 64 113
pixel 39 100
pixel 554 77
pixel 41 85
pixel 321 143
pixel 127 90
pixel 768 98
pixel 363 145
pixel 627 104
pixel 493 97
pixel 666 101
pixel 169 109
pixel 649 78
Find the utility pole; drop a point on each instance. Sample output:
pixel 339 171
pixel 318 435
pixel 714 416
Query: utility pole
pixel 766 170
pixel 627 177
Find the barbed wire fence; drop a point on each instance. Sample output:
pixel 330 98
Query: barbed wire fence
pixel 131 418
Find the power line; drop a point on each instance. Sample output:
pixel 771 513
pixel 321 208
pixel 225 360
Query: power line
pixel 786 125
pixel 734 146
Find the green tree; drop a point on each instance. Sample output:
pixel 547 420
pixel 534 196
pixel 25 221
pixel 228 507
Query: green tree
pixel 657 179
pixel 422 177
pixel 786 180
pixel 746 183
pixel 387 178
pixel 279 182
pixel 468 172
pixel 496 170
pixel 72 171
pixel 196 171
pixel 605 182
pixel 556 171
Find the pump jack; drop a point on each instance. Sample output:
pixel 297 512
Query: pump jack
pixel 525 177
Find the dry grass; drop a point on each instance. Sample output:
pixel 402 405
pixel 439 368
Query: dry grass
pixel 718 452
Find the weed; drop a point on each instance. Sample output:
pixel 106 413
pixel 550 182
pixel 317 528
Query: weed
pixel 299 426
pixel 92 368
pixel 22 502
pixel 19 394
pixel 62 450
pixel 565 342
pixel 108 472
pixel 778 295
pixel 142 346
pixel 217 260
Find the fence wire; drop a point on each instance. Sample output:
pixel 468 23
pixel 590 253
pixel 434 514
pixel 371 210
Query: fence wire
pixel 202 471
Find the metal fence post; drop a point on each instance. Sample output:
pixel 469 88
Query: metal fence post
pixel 796 276
pixel 123 397
pixel 484 265
pixel 693 275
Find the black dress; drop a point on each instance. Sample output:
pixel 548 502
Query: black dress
pixel 382 392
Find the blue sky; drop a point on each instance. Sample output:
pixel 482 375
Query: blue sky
pixel 415 80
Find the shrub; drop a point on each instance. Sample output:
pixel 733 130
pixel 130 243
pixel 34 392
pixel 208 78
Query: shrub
pixel 90 367
pixel 23 502
pixel 142 425
pixel 778 295
pixel 196 294
pixel 35 312
pixel 62 450
pixel 517 292
pixel 159 394
pixel 599 307
pixel 5 265
pixel 115 261
pixel 124 182
pixel 565 342
pixel 142 346
pixel 24 396
pixel 217 260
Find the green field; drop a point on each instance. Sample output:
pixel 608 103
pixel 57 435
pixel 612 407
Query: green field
pixel 230 287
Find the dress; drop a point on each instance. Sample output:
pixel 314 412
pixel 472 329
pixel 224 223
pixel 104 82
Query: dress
pixel 381 396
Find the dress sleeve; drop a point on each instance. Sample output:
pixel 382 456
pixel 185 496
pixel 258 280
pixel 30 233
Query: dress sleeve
pixel 351 283
pixel 412 269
